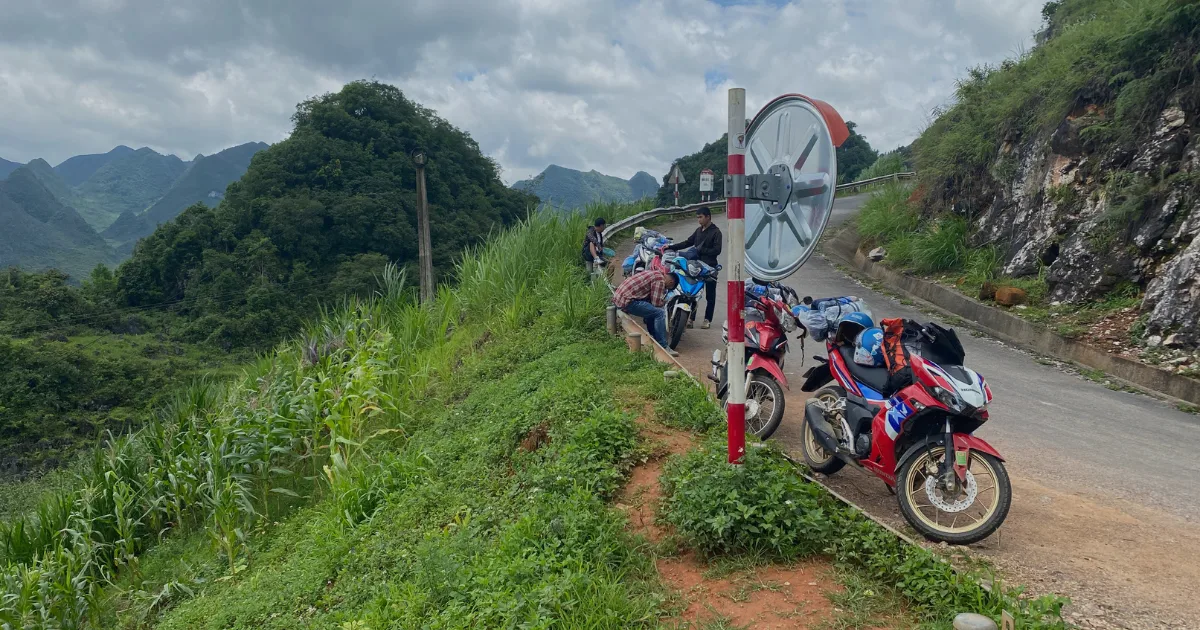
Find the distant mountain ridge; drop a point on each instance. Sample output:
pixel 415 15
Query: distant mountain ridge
pixel 204 181
pixel 7 167
pixel 93 208
pixel 568 189
pixel 78 169
pixel 40 232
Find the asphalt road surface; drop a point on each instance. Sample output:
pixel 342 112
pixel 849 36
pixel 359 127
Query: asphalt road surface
pixel 1106 505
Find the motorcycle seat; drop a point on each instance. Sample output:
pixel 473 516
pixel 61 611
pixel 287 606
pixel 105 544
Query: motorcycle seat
pixel 874 377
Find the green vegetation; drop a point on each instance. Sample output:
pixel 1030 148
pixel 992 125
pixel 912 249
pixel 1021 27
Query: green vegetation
pixel 896 161
pixel 569 189
pixel 764 507
pixel 381 468
pixel 318 215
pixel 854 156
pixel 317 218
pixel 76 367
pixel 1123 58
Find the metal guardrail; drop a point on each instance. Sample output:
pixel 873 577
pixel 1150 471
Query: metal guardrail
pixel 894 177
pixel 638 218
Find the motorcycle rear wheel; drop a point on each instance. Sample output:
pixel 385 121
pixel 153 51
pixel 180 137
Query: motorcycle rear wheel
pixel 814 454
pixel 915 492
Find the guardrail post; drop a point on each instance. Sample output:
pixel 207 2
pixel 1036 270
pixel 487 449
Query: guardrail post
pixel 735 208
pixel 612 319
pixel 635 341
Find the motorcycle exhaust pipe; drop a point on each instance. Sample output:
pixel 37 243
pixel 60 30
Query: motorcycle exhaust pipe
pixel 821 428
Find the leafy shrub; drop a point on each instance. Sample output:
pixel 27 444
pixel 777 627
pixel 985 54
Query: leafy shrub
pixel 760 506
pixel 764 507
pixel 685 404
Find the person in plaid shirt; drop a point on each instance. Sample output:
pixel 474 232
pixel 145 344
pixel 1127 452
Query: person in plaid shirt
pixel 643 295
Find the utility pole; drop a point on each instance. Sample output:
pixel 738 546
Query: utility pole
pixel 424 255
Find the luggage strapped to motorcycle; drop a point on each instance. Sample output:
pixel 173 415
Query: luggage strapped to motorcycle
pixel 895 353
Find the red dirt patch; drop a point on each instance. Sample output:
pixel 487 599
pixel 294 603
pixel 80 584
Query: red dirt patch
pixel 765 597
pixel 776 596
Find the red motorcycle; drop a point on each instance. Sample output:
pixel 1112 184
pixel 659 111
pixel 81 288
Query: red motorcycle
pixel 913 428
pixel 769 320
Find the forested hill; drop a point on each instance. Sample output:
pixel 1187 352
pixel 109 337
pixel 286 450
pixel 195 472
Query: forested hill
pixel 318 215
pixel 568 189
pixel 854 156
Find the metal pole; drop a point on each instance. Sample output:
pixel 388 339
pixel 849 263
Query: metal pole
pixel 424 254
pixel 735 208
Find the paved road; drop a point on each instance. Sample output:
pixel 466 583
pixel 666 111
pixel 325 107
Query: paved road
pixel 1106 506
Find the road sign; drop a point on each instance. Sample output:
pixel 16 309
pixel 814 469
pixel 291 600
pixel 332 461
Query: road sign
pixel 706 180
pixel 791 177
pixel 676 176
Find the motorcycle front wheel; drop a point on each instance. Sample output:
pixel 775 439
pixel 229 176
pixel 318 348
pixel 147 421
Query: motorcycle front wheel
pixel 679 320
pixel 960 518
pixel 764 405
pixel 815 455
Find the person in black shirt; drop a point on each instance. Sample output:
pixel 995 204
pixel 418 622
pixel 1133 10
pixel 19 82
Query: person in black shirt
pixel 707 241
pixel 593 246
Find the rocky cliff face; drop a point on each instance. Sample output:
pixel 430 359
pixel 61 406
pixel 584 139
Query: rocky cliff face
pixel 1095 214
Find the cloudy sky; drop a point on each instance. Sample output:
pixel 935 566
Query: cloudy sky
pixel 616 86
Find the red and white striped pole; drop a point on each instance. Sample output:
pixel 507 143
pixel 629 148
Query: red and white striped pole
pixel 735 210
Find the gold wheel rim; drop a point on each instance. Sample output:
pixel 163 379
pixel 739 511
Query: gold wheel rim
pixel 984 505
pixel 810 441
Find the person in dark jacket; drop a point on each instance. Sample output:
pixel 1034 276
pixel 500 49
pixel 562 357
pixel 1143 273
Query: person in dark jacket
pixel 707 241
pixel 593 246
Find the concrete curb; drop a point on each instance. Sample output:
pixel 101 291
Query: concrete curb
pixel 1013 329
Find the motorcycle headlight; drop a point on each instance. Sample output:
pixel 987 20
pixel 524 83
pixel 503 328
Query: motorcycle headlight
pixel 950 399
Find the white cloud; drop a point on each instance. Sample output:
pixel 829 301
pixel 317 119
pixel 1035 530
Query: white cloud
pixel 615 86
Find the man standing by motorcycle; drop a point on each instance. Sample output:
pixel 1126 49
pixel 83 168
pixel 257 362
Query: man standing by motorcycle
pixel 707 241
pixel 643 295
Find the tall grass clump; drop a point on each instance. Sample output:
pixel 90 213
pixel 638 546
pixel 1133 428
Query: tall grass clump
pixel 887 214
pixel 307 421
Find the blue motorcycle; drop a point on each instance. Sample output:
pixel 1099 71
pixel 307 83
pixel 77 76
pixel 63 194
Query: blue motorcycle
pixel 684 299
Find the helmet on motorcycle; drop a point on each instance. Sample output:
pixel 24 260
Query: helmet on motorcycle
pixel 850 325
pixel 868 348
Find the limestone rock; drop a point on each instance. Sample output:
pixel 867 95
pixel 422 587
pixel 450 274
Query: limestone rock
pixel 1173 298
